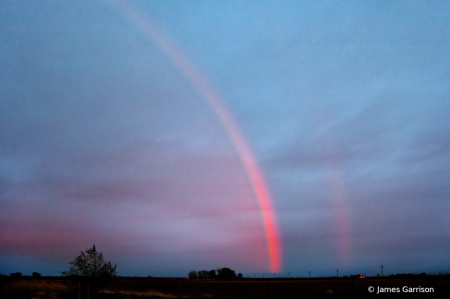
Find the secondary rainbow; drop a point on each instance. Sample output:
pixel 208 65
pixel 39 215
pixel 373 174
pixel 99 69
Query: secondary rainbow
pixel 213 99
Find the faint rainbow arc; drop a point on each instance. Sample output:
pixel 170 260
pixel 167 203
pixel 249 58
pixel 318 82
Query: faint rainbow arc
pixel 213 99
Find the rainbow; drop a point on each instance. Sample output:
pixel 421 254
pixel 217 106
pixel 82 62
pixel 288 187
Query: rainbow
pixel 214 100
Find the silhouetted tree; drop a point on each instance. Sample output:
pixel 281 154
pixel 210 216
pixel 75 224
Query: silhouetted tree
pixel 212 274
pixel 226 273
pixel 193 274
pixel 240 276
pixel 203 274
pixel 16 274
pixel 35 274
pixel 90 267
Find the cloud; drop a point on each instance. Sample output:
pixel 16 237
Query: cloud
pixel 104 141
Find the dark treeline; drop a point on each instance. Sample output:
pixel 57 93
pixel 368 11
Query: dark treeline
pixel 220 273
pixel 19 275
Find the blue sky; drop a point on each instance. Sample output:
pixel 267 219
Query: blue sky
pixel 105 141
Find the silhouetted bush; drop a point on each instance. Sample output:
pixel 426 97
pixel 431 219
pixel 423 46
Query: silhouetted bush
pixel 220 273
pixel 35 274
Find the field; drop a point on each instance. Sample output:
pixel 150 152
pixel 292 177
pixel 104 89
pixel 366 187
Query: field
pixel 135 287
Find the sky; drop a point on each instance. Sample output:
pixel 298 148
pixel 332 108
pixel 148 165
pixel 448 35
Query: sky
pixel 118 125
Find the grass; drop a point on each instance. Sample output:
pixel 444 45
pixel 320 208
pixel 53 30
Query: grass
pixel 41 289
pixel 137 294
pixel 33 289
pixel 143 288
pixel 130 294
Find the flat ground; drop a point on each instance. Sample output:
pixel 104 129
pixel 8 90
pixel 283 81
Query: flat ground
pixel 136 287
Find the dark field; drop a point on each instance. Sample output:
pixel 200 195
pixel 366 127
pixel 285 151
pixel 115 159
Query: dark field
pixel 248 288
